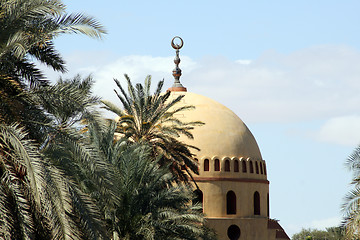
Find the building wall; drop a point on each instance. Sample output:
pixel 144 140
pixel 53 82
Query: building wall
pixel 215 185
pixel 250 228
pixel 215 197
pixel 259 172
pixel 227 140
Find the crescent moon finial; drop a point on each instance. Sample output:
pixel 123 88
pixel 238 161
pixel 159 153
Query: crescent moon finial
pixel 175 45
pixel 177 86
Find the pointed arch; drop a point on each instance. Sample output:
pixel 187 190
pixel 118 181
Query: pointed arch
pixel 251 167
pixel 261 168
pixel 217 164
pixel 264 168
pixel 244 170
pixel 256 203
pixel 236 165
pixel 227 165
pixel 230 202
pixel 206 165
pixel 257 167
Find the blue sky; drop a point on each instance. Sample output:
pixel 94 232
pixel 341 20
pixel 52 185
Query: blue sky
pixel 289 69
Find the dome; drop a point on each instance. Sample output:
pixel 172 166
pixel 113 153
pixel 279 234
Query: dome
pixel 224 133
pixel 232 183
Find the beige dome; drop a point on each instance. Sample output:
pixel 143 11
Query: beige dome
pixel 224 133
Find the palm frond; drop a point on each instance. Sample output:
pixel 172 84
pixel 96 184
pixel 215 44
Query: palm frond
pixel 124 98
pixel 68 101
pixel 88 215
pixel 47 54
pixel 151 118
pixel 22 152
pixel 56 193
pixel 22 71
pixel 6 213
pixel 112 108
pixel 22 212
pixel 34 188
pixel 351 204
pixel 79 23
pixel 151 206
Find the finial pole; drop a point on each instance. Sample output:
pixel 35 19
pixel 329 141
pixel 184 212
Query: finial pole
pixel 177 86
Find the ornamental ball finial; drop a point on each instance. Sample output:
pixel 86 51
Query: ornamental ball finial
pixel 177 86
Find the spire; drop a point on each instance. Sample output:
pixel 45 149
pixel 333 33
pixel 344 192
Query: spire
pixel 177 86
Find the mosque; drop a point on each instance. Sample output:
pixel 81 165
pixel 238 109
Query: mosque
pixel 234 188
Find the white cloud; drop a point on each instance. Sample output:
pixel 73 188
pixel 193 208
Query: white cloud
pixel 343 130
pixel 320 224
pixel 308 84
pixel 325 223
pixel 137 68
pixel 243 61
pixel 314 83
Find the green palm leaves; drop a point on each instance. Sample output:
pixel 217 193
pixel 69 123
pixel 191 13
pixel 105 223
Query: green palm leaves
pixel 351 205
pixel 151 206
pixel 33 24
pixel 62 173
pixel 151 119
pixel 36 200
pixel 151 163
pixel 27 31
pixel 77 182
pixel 146 204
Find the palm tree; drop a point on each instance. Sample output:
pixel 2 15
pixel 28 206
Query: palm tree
pixel 30 26
pixel 150 119
pixel 27 30
pixel 337 233
pixel 39 199
pixel 147 204
pixel 75 175
pixel 136 197
pixel 351 205
pixel 72 147
pixel 151 207
pixel 36 200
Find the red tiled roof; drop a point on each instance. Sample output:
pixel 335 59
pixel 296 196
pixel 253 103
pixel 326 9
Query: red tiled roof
pixel 280 233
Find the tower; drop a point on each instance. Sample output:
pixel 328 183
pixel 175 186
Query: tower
pixel 234 188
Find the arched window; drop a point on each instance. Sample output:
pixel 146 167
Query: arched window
pixel 256 203
pixel 261 168
pixel 257 167
pixel 230 203
pixel 244 170
pixel 206 165
pixel 265 168
pixel 233 232
pixel 268 205
pixel 236 166
pixel 251 167
pixel 227 166
pixel 217 165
